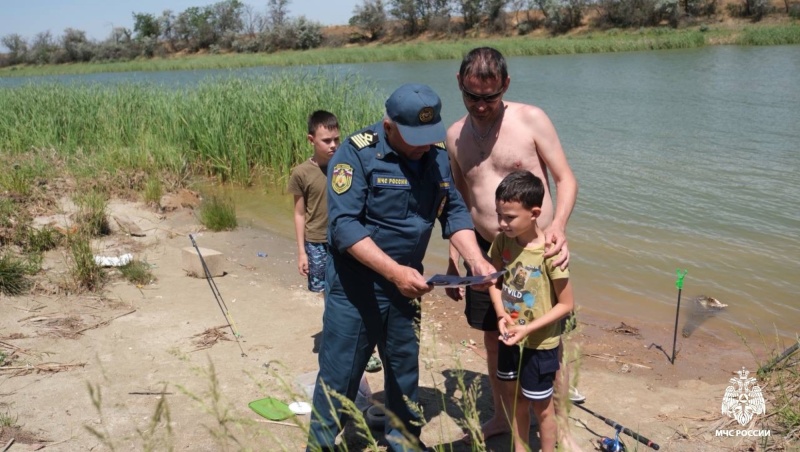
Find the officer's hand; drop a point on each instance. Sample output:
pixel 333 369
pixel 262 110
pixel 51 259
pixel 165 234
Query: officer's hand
pixel 410 282
pixel 456 293
pixel 480 267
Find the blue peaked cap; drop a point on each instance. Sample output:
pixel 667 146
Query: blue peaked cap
pixel 416 109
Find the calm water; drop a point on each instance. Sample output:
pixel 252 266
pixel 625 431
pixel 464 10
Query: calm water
pixel 685 159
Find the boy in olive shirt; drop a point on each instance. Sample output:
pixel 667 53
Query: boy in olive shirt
pixel 308 184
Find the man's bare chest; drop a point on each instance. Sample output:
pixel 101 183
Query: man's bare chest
pixel 499 160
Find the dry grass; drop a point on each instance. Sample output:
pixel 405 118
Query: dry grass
pixel 209 337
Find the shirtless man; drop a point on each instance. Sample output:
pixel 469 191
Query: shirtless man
pixel 495 138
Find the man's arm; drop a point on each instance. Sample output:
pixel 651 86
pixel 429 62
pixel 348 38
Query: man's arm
pixel 456 293
pixel 408 280
pixel 299 232
pixel 548 146
pixel 466 244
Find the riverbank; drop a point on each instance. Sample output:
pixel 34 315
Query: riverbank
pixel 154 366
pixel 782 31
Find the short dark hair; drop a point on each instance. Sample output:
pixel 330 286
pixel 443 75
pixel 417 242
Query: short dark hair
pixel 322 118
pixel 484 63
pixel 523 187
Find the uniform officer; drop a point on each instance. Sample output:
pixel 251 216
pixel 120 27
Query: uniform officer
pixel 387 185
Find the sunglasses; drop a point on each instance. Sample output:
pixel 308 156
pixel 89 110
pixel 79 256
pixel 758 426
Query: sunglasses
pixel 488 98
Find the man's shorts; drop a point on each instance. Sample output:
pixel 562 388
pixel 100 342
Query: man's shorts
pixel 536 373
pixel 317 259
pixel 478 306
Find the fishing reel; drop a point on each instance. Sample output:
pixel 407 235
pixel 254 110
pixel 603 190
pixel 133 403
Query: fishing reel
pixel 612 444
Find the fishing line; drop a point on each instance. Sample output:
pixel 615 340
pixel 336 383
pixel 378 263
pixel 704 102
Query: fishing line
pixel 218 296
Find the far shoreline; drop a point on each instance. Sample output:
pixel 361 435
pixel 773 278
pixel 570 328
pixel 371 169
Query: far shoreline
pixel 782 32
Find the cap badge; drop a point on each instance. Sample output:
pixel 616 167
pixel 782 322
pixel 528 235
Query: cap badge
pixel 426 115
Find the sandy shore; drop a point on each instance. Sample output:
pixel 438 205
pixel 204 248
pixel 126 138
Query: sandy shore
pixel 88 369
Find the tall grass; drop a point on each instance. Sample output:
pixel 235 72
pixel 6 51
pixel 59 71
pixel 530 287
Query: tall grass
pixel 789 34
pixel 231 128
pixel 218 214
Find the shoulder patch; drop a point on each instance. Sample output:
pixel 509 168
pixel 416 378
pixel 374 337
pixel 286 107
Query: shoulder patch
pixel 364 139
pixel 341 178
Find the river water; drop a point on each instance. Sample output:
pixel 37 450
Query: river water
pixel 685 159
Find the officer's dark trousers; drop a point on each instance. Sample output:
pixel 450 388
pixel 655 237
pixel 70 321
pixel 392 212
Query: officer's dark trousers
pixel 360 314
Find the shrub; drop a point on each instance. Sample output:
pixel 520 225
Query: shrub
pixel 137 272
pixel 153 190
pixel 40 240
pixel 636 13
pixel 13 279
pixel 92 213
pixel 218 214
pixel 85 271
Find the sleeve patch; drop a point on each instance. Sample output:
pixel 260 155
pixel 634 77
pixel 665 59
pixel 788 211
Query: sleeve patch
pixel 341 178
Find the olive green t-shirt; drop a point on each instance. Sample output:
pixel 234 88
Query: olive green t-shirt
pixel 310 181
pixel 528 292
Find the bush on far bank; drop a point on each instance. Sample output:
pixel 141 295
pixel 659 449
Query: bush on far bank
pixel 231 26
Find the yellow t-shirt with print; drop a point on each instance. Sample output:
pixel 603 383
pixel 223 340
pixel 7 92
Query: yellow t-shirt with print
pixel 528 292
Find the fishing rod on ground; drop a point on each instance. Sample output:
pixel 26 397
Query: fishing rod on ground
pixel 621 428
pixel 218 296
pixel 768 367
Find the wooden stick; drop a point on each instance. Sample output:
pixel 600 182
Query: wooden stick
pixel 43 367
pixel 104 322
pixel 8 444
pixel 267 421
pixel 617 360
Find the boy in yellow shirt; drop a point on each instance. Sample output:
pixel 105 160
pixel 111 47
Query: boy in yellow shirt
pixel 530 299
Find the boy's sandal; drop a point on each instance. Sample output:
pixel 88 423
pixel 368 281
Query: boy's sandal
pixel 374 364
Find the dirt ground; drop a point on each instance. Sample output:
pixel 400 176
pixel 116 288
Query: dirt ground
pixel 155 367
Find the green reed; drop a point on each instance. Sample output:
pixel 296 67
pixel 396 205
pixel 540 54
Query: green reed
pixel 789 34
pixel 231 128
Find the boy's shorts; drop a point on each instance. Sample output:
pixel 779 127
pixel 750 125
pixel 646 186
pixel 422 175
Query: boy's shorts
pixel 478 306
pixel 536 374
pixel 317 259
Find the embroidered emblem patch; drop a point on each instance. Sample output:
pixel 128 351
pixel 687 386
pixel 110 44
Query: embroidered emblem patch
pixel 440 145
pixel 341 178
pixel 426 115
pixel 364 139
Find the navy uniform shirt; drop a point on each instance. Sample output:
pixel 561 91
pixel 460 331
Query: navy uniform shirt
pixel 375 192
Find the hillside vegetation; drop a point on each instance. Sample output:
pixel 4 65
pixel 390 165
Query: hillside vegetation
pixel 237 35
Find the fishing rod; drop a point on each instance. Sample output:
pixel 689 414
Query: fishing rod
pixel 768 367
pixel 218 296
pixel 679 285
pixel 621 428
